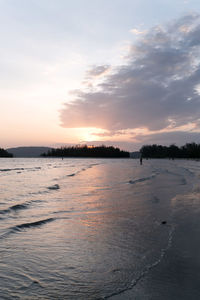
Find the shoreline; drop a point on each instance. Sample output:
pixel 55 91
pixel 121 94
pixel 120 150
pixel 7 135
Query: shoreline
pixel 176 275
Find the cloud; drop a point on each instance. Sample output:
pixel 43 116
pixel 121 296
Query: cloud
pixel 178 138
pixel 156 88
pixel 137 31
pixel 97 71
pixel 167 138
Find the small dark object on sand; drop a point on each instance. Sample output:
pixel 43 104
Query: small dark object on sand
pixel 164 222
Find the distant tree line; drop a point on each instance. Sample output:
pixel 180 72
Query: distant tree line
pixel 189 150
pixel 87 151
pixel 4 153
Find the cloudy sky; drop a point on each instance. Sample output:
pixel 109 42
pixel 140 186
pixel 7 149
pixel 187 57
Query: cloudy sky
pixel 121 72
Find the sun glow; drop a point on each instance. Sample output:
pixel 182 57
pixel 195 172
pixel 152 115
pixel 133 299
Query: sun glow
pixel 89 134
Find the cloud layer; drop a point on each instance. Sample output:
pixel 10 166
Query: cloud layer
pixel 157 87
pixel 165 138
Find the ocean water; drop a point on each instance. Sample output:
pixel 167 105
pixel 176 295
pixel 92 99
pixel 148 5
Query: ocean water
pixel 92 229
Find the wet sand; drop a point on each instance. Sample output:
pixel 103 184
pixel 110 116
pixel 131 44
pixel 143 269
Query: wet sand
pixel 177 275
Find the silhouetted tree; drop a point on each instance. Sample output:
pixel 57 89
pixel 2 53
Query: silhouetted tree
pixel 4 153
pixel 87 151
pixel 191 150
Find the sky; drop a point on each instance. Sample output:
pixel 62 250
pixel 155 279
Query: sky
pixel 114 72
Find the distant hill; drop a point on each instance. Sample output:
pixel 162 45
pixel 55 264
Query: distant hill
pixel 28 151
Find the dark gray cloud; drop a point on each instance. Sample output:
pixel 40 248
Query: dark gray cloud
pixel 156 88
pixel 167 138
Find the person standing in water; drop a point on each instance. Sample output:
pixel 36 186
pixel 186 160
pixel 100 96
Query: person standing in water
pixel 141 159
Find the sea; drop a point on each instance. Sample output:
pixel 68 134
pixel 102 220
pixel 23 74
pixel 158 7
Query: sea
pixel 77 228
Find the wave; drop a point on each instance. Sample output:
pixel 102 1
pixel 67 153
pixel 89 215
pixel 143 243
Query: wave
pixel 20 169
pixel 38 193
pixel 148 267
pixel 14 208
pixel 142 179
pixel 18 207
pixel 54 187
pixel 92 165
pixel 14 169
pixel 189 170
pixel 82 170
pixel 77 172
pixel 24 226
pixel 31 224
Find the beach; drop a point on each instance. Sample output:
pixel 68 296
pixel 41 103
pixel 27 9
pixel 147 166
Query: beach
pixel 99 229
pixel 176 276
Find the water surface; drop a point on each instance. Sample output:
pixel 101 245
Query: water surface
pixel 91 228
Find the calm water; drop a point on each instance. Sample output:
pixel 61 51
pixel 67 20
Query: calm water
pixel 91 228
